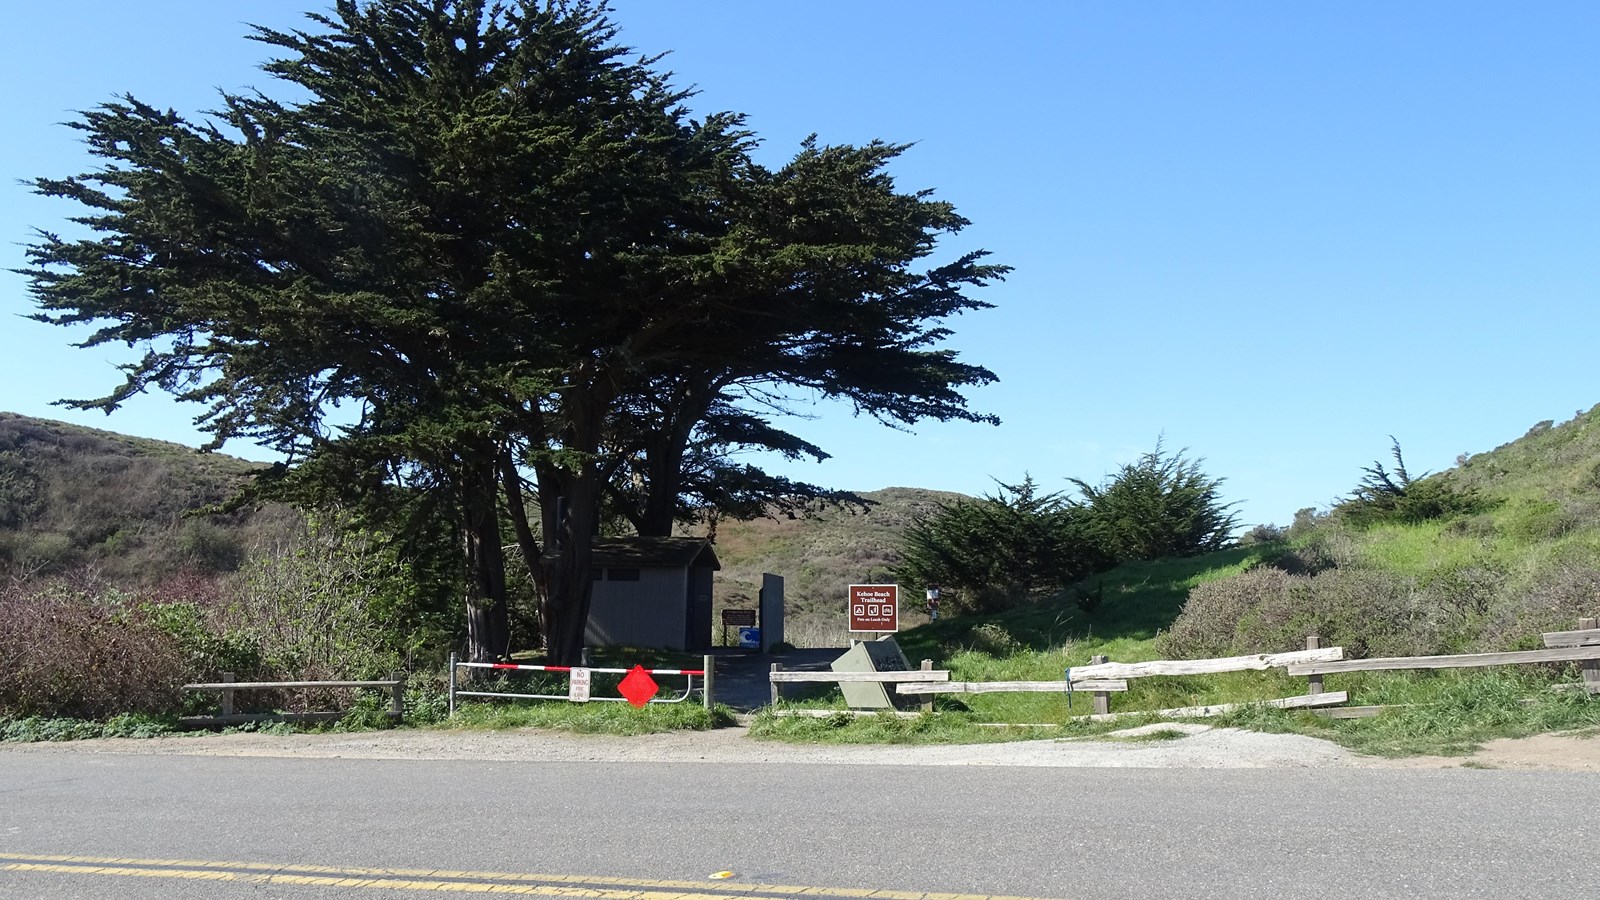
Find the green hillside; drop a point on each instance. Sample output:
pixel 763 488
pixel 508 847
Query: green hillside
pixel 74 497
pixel 1524 558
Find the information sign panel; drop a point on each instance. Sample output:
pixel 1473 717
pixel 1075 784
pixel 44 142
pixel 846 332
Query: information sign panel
pixel 739 617
pixel 875 607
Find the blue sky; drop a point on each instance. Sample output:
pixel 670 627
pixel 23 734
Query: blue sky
pixel 1275 234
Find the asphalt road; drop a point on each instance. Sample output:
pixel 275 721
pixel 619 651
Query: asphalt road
pixel 1081 834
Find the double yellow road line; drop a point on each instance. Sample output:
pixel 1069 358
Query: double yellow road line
pixel 582 887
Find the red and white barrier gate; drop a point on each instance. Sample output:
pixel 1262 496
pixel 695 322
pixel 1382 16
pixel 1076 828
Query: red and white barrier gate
pixel 638 687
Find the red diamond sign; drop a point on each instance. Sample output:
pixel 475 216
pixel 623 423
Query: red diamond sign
pixel 638 687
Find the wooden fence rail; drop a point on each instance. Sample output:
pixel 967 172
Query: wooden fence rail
pixel 1458 661
pixel 993 687
pixel 228 686
pixel 780 676
pixel 926 673
pixel 1100 678
pixel 1254 662
pixel 1586 637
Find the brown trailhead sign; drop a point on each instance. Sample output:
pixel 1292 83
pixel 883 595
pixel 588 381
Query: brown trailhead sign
pixel 738 617
pixel 874 607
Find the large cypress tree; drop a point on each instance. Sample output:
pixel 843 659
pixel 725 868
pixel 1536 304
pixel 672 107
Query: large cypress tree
pixel 491 248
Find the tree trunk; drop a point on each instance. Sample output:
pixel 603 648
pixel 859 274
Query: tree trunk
pixel 488 619
pixel 665 479
pixel 527 543
pixel 576 491
pixel 569 587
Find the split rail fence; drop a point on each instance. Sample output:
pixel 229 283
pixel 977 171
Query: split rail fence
pixel 228 687
pixel 1101 678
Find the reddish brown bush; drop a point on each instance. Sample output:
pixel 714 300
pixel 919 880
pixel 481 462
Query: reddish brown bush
pixel 72 647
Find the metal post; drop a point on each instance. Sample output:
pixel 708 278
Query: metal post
pixel 709 663
pixel 452 683
pixel 1313 682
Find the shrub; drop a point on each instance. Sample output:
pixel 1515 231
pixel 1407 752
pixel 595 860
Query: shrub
pixel 84 650
pixel 1267 610
pixel 1385 496
pixel 1211 616
pixel 994 553
pixel 993 639
pixel 1263 534
pixel 1552 598
pixel 1306 521
pixel 1157 507
pixel 313 606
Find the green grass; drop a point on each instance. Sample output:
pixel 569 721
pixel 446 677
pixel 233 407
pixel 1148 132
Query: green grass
pixel 587 718
pixel 1440 713
pixel 39 728
pixel 1446 713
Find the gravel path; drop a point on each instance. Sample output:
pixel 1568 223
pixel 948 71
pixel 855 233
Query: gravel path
pixel 1204 747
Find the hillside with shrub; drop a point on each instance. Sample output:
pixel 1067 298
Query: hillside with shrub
pixel 129 508
pixel 117 586
pixel 1484 556
pixel 820 552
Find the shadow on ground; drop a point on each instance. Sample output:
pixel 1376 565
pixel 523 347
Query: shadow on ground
pixel 742 675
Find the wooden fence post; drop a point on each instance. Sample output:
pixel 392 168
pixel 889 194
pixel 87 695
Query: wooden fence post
pixel 1314 682
pixel 1590 668
pixel 710 665
pixel 397 696
pixel 776 668
pixel 1102 699
pixel 227 695
pixel 927 699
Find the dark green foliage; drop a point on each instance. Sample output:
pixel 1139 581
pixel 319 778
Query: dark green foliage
pixel 999 551
pixel 1384 496
pixel 1263 534
pixel 1160 506
pixel 494 235
pixel 27 729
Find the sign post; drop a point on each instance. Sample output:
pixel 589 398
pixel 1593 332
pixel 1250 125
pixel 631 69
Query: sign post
pixel 875 607
pixel 737 618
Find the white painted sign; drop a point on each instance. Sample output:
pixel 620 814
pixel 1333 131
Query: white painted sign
pixel 578 687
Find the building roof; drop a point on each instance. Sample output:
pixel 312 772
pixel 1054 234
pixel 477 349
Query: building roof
pixel 655 553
